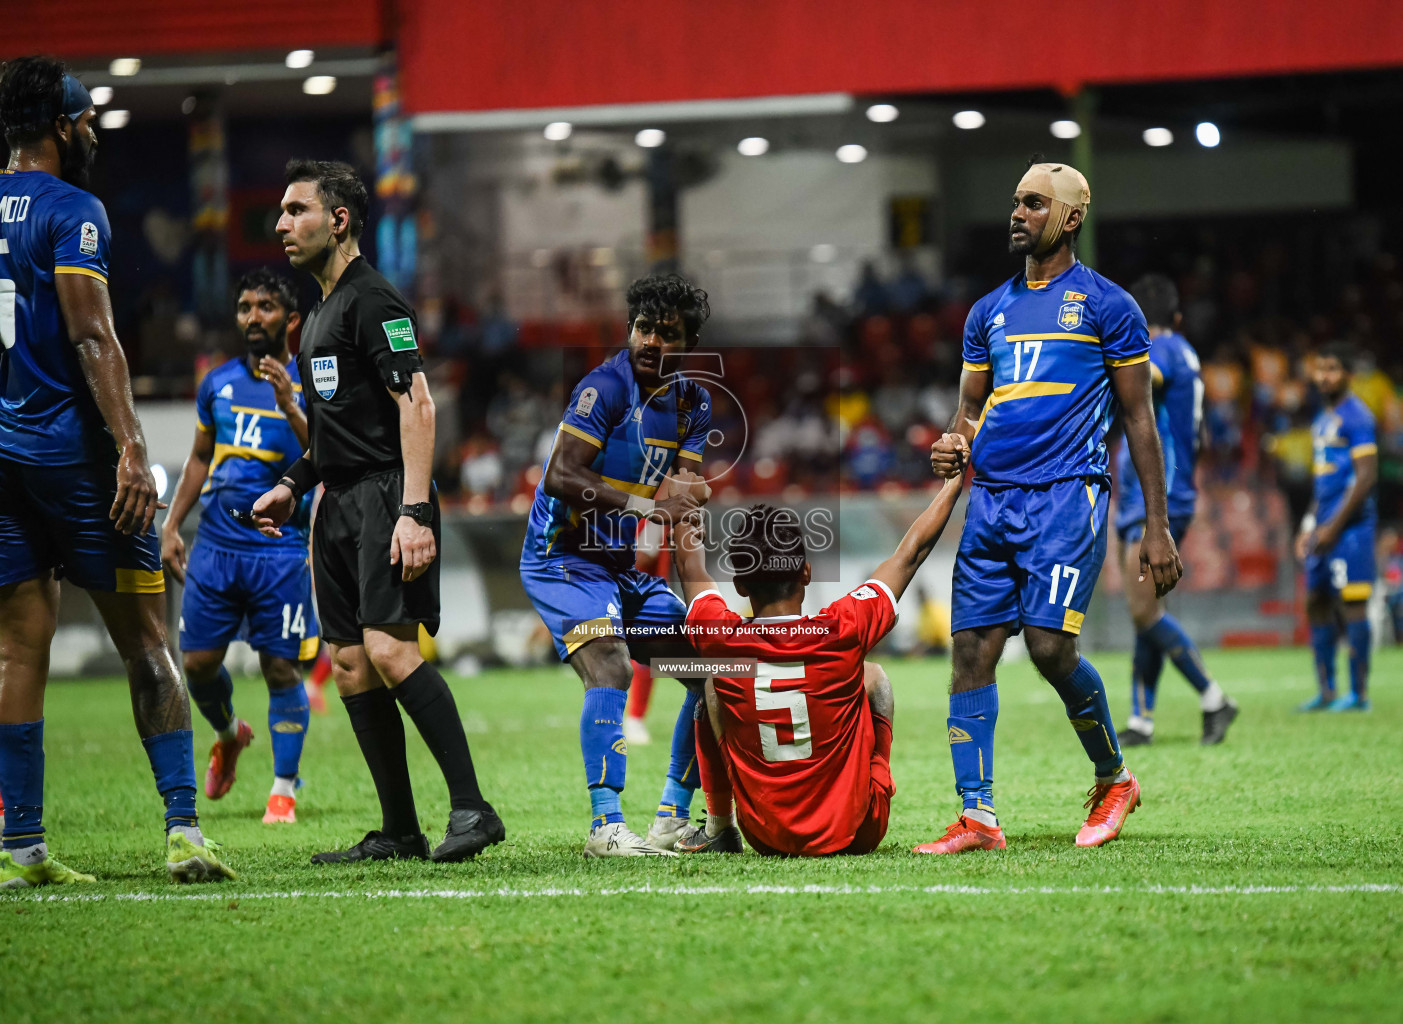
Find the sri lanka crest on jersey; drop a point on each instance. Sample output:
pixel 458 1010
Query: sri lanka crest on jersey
pixel 1069 316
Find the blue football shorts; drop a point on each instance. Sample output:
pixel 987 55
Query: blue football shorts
pixel 262 598
pixel 1347 569
pixel 580 601
pixel 55 518
pixel 1030 556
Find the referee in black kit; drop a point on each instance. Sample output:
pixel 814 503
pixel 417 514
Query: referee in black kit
pixel 375 542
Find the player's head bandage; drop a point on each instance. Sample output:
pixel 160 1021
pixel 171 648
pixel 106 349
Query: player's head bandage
pixel 75 98
pixel 1066 188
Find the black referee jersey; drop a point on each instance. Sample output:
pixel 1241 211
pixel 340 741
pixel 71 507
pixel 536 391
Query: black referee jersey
pixel 357 342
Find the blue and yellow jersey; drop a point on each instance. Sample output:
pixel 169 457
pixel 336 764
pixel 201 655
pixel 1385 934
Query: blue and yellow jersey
pixel 47 228
pixel 1340 434
pixel 1178 413
pixel 640 435
pixel 253 446
pixel 1049 345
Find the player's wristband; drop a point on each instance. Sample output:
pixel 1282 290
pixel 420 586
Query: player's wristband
pixel 640 507
pixel 301 477
pixel 1308 523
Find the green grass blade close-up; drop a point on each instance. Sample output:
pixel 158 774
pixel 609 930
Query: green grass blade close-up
pixel 1262 877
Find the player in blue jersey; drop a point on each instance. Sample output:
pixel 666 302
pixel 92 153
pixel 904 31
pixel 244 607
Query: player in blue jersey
pixel 628 422
pixel 77 497
pixel 252 426
pixel 1178 389
pixel 1048 359
pixel 1336 540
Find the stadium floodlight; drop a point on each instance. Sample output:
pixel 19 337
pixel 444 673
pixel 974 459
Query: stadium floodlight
pixel 114 118
pixel 852 153
pixel 101 94
pixel 1065 129
pixel 882 113
pixel 650 138
pixel 299 59
pixel 1157 136
pixel 124 67
pixel 753 146
pixel 559 131
pixel 1207 134
pixel 319 85
pixel 968 120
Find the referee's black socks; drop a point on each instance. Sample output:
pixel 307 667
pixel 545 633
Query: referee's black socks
pixel 426 697
pixel 380 733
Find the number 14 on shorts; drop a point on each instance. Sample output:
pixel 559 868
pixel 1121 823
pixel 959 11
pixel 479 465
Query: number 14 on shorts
pixel 1069 574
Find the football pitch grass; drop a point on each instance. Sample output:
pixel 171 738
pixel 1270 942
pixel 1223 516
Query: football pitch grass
pixel 1260 878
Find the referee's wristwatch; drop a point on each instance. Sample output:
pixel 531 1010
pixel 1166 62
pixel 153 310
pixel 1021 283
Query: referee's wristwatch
pixel 422 513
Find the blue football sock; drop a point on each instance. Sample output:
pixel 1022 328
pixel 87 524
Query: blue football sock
pixel 1085 697
pixel 683 776
pixel 215 699
pixel 172 757
pixel 973 714
pixel 1360 643
pixel 288 716
pixel 1170 637
pixel 1144 681
pixel 605 752
pixel 22 783
pixel 1322 642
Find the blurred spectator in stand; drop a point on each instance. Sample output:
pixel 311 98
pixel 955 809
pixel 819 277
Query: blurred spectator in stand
pixel 909 291
pixel 827 322
pixel 481 470
pixel 1222 400
pixel 870 298
pixel 868 454
pixel 515 417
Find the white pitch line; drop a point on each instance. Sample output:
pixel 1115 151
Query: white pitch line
pixel 715 890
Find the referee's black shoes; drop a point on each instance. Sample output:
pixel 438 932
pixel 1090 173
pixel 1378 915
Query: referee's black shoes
pixel 378 846
pixel 469 833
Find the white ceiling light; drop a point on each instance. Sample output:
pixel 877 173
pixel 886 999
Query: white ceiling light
pixel 753 146
pixel 1065 129
pixel 558 131
pixel 299 59
pixel 852 153
pixel 1157 136
pixel 114 118
pixel 1207 134
pixel 101 94
pixel 124 67
pixel 319 85
pixel 650 138
pixel 882 113
pixel 968 120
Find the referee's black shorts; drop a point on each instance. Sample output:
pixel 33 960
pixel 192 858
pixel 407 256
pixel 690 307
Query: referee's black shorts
pixel 355 583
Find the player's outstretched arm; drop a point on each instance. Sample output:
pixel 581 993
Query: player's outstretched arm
pixel 87 313
pixel 688 536
pixel 1159 557
pixel 898 570
pixel 570 479
pixel 412 545
pixel 187 492
pixel 950 455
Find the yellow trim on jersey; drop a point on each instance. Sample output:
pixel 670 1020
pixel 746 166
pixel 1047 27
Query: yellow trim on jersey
pixel 309 647
pixel 584 632
pixel 976 367
pixel 1091 497
pixel 141 581
pixel 660 443
pixel 1091 339
pixel 270 413
pixel 1024 389
pixel 1156 376
pixel 1368 448
pixel 685 454
pixel 207 428
pixel 86 272
pixel 582 435
pixel 1143 357
pixel 1323 468
pixel 234 451
pixel 1071 622
pixel 631 487
pixel 1356 591
pixel 1037 286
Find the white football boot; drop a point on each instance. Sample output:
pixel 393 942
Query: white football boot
pixel 665 831
pixel 615 840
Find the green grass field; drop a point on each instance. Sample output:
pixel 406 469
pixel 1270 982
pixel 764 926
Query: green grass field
pixel 1259 878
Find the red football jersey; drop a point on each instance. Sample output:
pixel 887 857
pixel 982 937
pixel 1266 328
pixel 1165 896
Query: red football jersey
pixel 799 737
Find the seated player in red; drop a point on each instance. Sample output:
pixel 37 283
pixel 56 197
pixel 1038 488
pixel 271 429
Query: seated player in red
pixel 803 744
